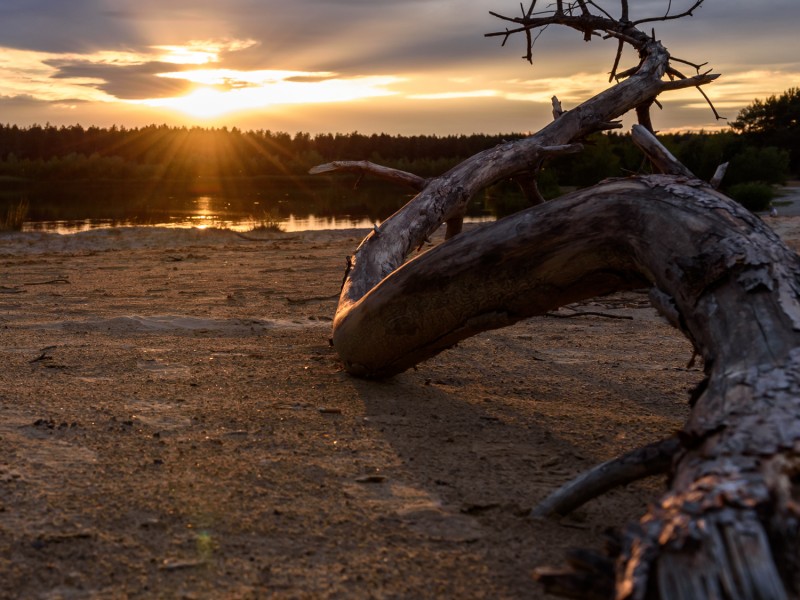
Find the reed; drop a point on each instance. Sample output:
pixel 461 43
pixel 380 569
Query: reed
pixel 14 216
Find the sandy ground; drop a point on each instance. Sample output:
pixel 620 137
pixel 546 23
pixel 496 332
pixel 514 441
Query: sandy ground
pixel 174 424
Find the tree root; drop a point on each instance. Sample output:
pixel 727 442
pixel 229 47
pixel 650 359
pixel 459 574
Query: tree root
pixel 652 459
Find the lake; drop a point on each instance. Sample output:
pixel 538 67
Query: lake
pixel 294 204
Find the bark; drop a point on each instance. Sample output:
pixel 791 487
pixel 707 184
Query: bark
pixel 733 288
pixel 445 198
pixel 652 459
pixel 729 526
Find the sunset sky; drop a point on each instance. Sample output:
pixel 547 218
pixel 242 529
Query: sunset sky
pixel 400 67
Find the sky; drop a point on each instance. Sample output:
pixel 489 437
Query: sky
pixel 402 67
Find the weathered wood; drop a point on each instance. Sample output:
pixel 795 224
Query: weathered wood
pixel 729 526
pixel 364 166
pixel 733 286
pixel 661 158
pixel 719 175
pixel 447 197
pixel 653 459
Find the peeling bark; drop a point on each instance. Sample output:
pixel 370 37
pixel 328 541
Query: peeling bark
pixel 733 287
pixel 729 526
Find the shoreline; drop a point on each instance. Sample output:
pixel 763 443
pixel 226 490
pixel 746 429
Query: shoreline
pixel 174 423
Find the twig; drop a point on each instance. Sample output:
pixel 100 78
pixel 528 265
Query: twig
pixel 686 62
pixel 617 58
pixel 51 281
pixel 588 313
pixel 601 9
pixel 648 460
pixel 668 17
pixel 710 104
pixel 364 166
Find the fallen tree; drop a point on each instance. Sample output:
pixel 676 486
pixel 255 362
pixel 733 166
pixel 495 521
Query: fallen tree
pixel 729 526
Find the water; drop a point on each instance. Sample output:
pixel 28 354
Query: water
pixel 296 205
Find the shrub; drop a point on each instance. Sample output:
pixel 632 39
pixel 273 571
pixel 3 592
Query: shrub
pixel 14 217
pixel 754 196
pixel 267 223
pixel 768 165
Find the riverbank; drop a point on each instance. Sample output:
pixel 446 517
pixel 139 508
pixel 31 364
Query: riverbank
pixel 175 424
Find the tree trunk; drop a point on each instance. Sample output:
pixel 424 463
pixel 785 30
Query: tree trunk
pixel 733 288
pixel 729 526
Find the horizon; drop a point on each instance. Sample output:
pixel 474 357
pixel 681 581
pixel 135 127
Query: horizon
pixel 401 69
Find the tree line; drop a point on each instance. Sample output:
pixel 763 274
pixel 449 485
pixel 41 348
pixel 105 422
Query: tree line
pixel 761 145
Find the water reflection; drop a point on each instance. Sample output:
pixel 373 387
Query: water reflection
pixel 311 205
pixel 292 223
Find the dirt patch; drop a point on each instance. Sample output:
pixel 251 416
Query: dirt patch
pixel 174 424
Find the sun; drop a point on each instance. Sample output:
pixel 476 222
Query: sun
pixel 203 103
pixel 222 91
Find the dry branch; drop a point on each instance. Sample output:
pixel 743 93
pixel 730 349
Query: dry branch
pixel 652 459
pixel 446 197
pixel 663 160
pixel 729 527
pixel 719 175
pixel 734 287
pixel 364 166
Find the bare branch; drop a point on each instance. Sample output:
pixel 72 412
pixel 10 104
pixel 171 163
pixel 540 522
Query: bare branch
pixel 696 81
pixel 584 9
pixel 643 116
pixel 672 72
pixel 557 109
pixel 652 459
pixel 713 109
pixel 686 62
pixel 687 13
pixel 601 9
pixel 663 160
pixel 719 174
pixel 364 166
pixel 529 43
pixel 628 72
pixel 617 58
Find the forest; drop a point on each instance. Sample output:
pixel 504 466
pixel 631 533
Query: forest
pixel 761 146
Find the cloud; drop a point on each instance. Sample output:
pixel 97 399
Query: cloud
pixel 431 51
pixel 454 95
pixel 126 82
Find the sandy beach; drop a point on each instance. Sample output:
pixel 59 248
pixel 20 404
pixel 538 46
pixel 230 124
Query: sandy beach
pixel 175 424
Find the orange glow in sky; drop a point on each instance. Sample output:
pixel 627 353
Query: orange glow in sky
pixel 396 68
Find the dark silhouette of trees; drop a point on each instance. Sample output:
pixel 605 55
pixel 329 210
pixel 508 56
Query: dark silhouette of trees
pixel 161 153
pixel 774 122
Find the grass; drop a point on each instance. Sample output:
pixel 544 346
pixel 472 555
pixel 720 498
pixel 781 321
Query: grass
pixel 14 217
pixel 267 223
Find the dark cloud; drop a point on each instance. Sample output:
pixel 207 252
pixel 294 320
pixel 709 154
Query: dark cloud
pixel 127 82
pixel 365 37
pixel 19 100
pixel 310 78
pixel 58 26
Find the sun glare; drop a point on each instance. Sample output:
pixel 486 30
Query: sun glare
pixel 223 91
pixel 203 103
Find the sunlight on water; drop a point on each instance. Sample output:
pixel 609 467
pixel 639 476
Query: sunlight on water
pixel 291 224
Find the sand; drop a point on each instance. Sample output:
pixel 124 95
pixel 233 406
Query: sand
pixel 175 424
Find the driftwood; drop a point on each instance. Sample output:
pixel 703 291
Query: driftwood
pixel 729 526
